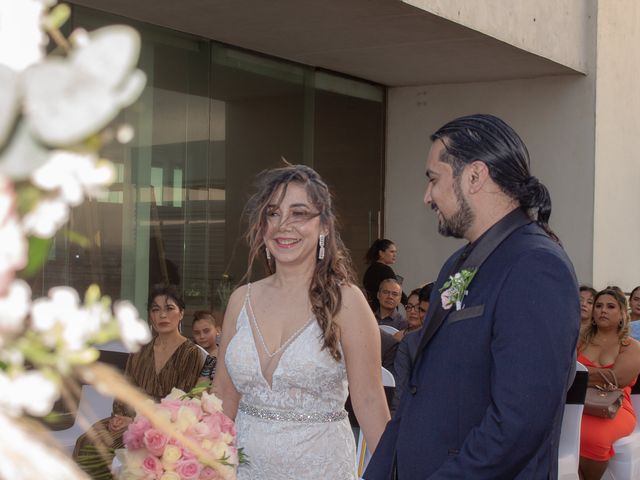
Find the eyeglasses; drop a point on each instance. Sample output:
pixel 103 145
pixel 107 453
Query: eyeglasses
pixel 408 307
pixel 389 292
pixel 295 217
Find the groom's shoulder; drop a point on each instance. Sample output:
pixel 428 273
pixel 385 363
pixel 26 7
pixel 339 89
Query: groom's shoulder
pixel 531 244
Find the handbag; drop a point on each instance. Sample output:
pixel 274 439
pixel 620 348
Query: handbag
pixel 604 401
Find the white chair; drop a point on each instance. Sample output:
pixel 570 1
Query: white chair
pixel 389 329
pixel 363 455
pixel 625 464
pixel 93 406
pixel 569 447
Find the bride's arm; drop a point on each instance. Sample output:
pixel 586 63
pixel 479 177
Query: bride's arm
pixel 223 387
pixel 360 339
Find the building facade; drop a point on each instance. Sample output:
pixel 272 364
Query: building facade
pixel 354 88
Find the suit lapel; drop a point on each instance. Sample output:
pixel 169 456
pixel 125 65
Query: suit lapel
pixel 473 257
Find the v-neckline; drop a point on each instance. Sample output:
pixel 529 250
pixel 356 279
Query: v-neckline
pixel 287 345
pixel 153 350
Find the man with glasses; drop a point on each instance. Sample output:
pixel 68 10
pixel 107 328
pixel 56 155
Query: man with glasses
pixel 389 295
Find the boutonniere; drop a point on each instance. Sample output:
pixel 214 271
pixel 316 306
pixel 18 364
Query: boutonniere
pixel 454 290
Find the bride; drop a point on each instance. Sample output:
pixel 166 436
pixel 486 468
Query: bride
pixel 293 342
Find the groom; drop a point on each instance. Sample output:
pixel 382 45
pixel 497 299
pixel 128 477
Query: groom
pixel 491 366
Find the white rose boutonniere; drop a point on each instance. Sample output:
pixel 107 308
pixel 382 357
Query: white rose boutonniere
pixel 455 288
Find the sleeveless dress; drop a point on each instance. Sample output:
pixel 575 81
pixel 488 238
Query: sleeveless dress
pixel 598 434
pixel 296 428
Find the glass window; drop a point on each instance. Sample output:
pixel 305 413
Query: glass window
pixel 211 118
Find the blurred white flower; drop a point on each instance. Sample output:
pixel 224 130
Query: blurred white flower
pixel 25 456
pixel 23 154
pixel 21 37
pixel 31 392
pixel 73 174
pixel 13 246
pixel 134 331
pixel 67 100
pixel 9 101
pixel 61 318
pixel 46 218
pixel 14 307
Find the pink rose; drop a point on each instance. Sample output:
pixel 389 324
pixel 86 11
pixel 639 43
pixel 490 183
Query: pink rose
pixel 151 466
pixel 446 301
pixel 214 422
pixel 209 473
pixel 188 469
pixel 227 425
pixel 172 406
pixel 155 441
pixel 133 437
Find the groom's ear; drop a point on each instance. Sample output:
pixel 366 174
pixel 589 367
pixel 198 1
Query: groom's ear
pixel 477 174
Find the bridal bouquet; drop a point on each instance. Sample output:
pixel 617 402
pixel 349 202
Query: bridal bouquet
pixel 202 448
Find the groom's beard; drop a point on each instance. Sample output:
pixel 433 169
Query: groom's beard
pixel 456 225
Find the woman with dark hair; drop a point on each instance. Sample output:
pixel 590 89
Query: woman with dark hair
pixel 587 295
pixel 416 308
pixel 169 360
pixel 605 345
pixel 634 313
pixel 381 255
pixel 291 340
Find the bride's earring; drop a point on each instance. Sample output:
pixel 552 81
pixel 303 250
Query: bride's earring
pixel 321 249
pixel 266 250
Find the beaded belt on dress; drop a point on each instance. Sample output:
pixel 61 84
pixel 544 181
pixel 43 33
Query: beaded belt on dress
pixel 266 414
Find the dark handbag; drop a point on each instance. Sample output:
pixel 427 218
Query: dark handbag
pixel 604 401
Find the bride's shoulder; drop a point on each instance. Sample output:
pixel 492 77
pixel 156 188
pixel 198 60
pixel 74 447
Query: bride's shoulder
pixel 353 300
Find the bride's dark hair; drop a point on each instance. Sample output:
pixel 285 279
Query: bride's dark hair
pixel 331 273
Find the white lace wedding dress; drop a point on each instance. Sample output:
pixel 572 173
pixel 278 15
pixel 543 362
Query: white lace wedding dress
pixel 296 428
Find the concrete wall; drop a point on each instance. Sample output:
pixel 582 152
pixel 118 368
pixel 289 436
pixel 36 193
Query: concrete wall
pixel 616 252
pixel 554 116
pixel 555 29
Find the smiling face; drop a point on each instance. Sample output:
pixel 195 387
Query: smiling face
pixel 165 315
pixel 586 306
pixel 444 195
pixel 293 226
pixel 607 312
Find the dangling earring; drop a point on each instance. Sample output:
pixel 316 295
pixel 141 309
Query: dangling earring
pixel 321 250
pixel 268 253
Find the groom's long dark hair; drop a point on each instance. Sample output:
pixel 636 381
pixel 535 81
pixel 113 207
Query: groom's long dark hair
pixel 490 140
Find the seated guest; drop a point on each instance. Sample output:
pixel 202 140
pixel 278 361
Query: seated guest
pixel 416 308
pixel 380 256
pixel 587 294
pixel 605 345
pixel 389 295
pixel 169 360
pixel 205 333
pixel 389 346
pixel 634 313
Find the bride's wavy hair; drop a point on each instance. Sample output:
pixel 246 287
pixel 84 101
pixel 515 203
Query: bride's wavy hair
pixel 330 273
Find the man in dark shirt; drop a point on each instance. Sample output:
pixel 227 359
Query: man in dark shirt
pixel 389 294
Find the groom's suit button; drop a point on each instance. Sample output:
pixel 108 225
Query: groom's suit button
pixel 413 389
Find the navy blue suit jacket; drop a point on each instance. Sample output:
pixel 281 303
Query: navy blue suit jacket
pixel 486 394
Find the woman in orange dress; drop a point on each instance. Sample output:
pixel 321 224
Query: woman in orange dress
pixel 605 345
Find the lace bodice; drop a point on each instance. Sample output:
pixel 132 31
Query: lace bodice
pixel 308 390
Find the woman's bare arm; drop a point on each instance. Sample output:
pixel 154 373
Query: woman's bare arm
pixel 222 386
pixel 360 339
